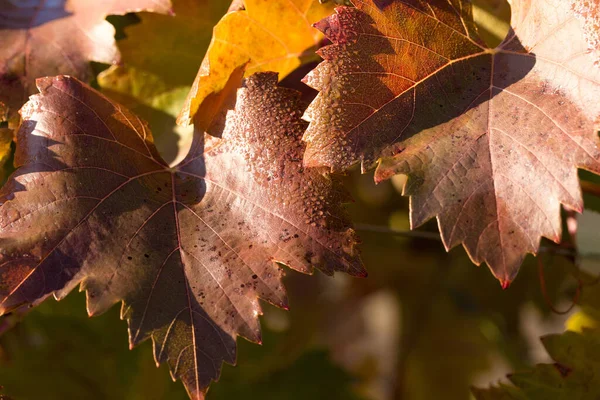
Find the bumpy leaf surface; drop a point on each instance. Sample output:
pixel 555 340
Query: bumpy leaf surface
pixel 40 38
pixel 574 375
pixel 188 250
pixel 491 138
pixel 268 35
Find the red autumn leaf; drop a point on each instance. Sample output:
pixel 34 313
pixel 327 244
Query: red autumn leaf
pixel 189 249
pixel 491 138
pixel 41 38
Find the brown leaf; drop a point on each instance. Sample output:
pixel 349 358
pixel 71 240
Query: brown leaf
pixel 490 138
pixel 42 38
pixel 187 249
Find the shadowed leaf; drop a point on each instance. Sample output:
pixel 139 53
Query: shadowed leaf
pixel 189 249
pixel 491 138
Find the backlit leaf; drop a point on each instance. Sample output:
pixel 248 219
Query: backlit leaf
pixel 181 38
pixel 41 38
pixel 189 249
pixel 491 138
pixel 154 100
pixel 156 87
pixel 268 35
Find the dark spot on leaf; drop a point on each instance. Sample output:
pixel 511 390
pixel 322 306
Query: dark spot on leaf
pixel 563 369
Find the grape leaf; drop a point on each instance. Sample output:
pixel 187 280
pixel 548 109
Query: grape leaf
pixel 491 138
pixel 492 18
pixel 268 35
pixel 156 87
pixel 155 101
pixel 573 376
pixel 182 38
pixel 42 38
pixel 189 249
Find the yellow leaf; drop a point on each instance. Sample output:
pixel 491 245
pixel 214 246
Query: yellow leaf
pixel 156 87
pixel 580 321
pixel 6 138
pixel 269 35
pixel 172 46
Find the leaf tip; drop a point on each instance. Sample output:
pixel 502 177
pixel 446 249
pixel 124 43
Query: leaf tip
pixel 332 27
pixel 383 172
pixel 321 25
pixel 44 83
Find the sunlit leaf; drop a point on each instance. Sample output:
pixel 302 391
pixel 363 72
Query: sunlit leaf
pixel 41 38
pixel 181 39
pixel 153 99
pixel 491 138
pixel 188 250
pixel 268 35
